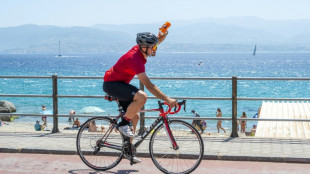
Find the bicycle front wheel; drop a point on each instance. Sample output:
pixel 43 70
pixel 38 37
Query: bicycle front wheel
pixel 183 159
pixel 98 144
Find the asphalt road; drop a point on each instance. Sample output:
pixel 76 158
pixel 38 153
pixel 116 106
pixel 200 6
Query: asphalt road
pixel 54 164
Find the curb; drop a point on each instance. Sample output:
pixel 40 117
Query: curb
pixel 38 151
pixel 258 159
pixel 205 157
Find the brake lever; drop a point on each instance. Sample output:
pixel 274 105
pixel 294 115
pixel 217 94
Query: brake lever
pixel 184 101
pixel 160 105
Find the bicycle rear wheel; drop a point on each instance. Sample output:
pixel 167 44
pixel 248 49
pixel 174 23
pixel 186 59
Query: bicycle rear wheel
pixel 190 150
pixel 98 144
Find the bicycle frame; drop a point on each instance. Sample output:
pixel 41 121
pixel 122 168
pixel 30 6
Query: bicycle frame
pixel 165 121
pixel 163 117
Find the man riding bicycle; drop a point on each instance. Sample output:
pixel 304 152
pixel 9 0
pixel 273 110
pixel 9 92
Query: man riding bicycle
pixel 118 77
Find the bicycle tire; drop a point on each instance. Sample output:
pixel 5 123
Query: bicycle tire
pixel 87 138
pixel 184 160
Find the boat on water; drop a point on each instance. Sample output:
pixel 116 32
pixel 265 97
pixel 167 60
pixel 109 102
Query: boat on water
pixel 254 52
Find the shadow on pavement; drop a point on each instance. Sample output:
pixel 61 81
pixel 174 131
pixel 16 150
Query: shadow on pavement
pixel 90 171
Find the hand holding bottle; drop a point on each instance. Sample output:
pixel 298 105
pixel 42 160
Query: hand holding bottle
pixel 163 31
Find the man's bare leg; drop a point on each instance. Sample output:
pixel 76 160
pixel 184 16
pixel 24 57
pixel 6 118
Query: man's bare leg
pixel 137 103
pixel 132 113
pixel 134 122
pixel 134 107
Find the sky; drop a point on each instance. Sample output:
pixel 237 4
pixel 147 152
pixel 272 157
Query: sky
pixel 90 12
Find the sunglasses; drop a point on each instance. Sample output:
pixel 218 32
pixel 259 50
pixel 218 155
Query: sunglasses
pixel 154 48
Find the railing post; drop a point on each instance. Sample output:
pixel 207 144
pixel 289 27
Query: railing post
pixel 55 105
pixel 142 114
pixel 234 132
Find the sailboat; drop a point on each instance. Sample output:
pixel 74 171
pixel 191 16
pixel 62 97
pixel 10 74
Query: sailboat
pixel 254 52
pixel 59 55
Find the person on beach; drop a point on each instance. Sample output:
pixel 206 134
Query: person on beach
pixel 92 127
pixel 44 118
pixel 243 123
pixel 219 123
pixel 238 123
pixel 253 130
pixel 118 77
pixel 3 123
pixel 72 112
pixel 204 124
pixel 44 125
pixel 37 126
pixel 76 123
pixel 258 112
pixel 197 123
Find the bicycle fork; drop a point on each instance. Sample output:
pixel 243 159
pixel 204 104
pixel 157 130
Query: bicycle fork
pixel 170 135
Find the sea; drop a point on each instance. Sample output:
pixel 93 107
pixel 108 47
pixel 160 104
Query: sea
pixel 177 64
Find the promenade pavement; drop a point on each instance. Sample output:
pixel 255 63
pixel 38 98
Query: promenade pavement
pixel 12 163
pixel 216 147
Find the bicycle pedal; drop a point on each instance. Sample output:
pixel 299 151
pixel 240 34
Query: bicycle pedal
pixel 132 162
pixel 97 149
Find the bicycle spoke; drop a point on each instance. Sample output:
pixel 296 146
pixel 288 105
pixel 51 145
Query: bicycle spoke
pixel 98 145
pixel 183 160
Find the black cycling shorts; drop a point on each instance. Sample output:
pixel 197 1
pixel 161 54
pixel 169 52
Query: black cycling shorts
pixel 122 91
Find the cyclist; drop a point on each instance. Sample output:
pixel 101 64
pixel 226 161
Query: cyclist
pixel 118 77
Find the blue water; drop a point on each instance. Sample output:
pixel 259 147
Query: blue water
pixel 163 65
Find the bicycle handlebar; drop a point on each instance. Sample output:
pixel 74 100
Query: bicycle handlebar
pixel 176 109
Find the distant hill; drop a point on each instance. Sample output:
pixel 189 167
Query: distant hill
pixel 241 30
pixel 44 39
pixel 229 34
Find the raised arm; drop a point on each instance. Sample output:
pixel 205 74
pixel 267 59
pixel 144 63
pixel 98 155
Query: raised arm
pixel 161 38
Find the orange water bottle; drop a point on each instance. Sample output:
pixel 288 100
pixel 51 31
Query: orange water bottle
pixel 162 31
pixel 164 28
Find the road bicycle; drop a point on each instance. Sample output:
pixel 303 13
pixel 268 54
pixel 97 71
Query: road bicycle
pixel 175 146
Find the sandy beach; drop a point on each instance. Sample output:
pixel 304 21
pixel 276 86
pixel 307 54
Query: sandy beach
pixel 29 128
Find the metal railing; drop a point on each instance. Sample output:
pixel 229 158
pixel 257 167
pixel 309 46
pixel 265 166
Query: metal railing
pixel 234 98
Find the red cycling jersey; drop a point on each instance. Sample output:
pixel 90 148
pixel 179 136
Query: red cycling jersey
pixel 127 66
